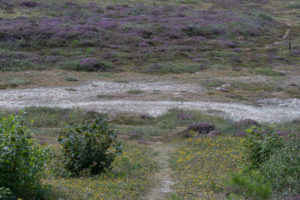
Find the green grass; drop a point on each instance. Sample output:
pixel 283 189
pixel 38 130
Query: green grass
pixel 265 72
pixel 15 83
pixel 71 79
pixel 141 132
pixel 294 6
pixel 121 81
pixel 105 96
pixel 55 117
pixel 174 68
pixel 131 177
pixel 203 165
pixel 70 89
pixel 136 91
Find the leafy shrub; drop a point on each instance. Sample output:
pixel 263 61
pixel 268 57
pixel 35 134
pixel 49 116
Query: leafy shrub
pixel 282 169
pixel 259 145
pixel 21 160
pixel 251 185
pixel 88 146
pixel 6 194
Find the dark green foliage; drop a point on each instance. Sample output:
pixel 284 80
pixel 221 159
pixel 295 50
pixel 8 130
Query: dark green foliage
pixel 136 91
pixel 283 167
pixel 89 64
pixel 275 158
pixel 71 79
pixel 259 145
pixel 88 146
pixel 21 160
pixel 251 185
pixel 6 194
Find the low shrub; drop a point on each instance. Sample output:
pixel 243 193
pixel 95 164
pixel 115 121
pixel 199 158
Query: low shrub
pixel 21 161
pixel 88 147
pixel 136 91
pixel 71 79
pixel 259 145
pixel 88 64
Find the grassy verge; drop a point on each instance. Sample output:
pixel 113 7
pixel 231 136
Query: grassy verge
pixel 203 165
pixel 129 178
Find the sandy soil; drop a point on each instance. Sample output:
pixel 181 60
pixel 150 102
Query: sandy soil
pixel 85 97
pixel 163 187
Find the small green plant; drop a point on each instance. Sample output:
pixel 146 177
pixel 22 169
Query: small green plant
pixel 88 146
pixel 121 81
pixel 136 91
pixel 105 96
pixel 21 160
pixel 70 89
pixel 71 79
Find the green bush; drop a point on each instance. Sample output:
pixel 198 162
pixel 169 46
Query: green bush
pixel 282 169
pixel 21 160
pixel 90 146
pixel 6 194
pixel 259 145
pixel 275 158
pixel 251 185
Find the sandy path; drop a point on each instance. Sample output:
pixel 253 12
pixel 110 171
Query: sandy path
pixel 164 178
pixel 85 97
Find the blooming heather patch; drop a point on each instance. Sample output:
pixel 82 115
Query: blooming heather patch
pixel 134 34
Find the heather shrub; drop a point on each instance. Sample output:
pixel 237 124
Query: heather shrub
pixel 88 147
pixel 21 161
pixel 29 4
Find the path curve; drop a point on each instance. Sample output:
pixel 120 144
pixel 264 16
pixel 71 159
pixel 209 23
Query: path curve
pixel 85 97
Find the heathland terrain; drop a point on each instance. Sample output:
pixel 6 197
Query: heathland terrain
pixel 202 94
